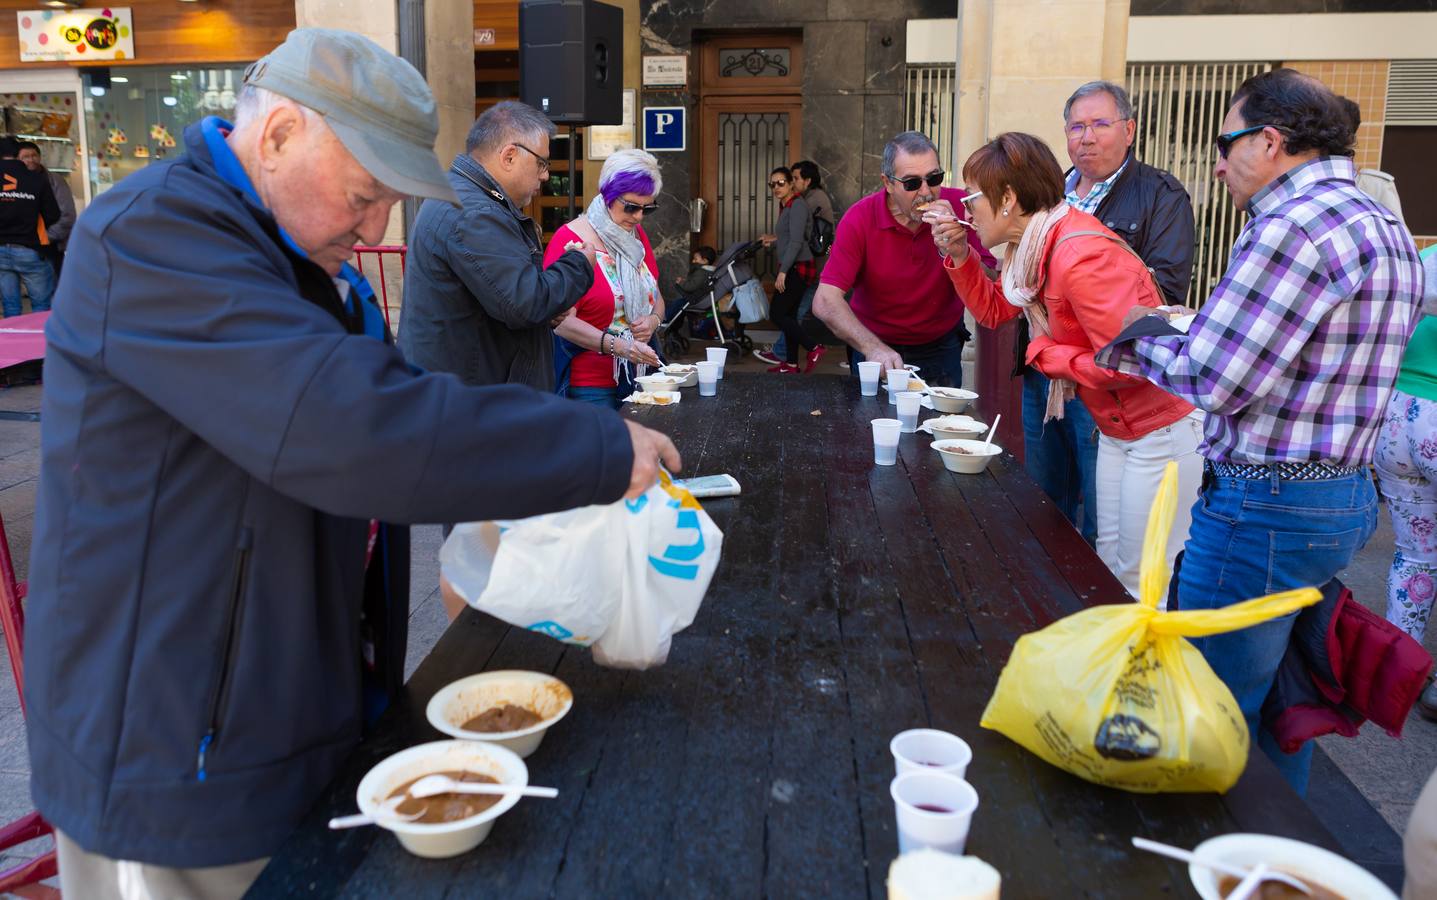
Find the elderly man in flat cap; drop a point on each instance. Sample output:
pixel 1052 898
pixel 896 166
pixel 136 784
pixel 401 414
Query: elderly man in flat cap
pixel 224 415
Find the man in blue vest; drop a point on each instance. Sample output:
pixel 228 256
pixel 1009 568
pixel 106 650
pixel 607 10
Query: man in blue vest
pixel 207 629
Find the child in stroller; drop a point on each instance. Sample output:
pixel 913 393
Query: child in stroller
pixel 710 313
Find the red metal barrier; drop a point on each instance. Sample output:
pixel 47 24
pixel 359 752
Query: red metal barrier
pixel 375 272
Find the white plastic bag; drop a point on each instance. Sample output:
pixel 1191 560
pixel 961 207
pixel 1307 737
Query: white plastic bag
pixel 751 301
pixel 622 578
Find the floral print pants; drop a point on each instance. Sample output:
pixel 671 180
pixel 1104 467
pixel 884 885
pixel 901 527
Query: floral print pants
pixel 1406 463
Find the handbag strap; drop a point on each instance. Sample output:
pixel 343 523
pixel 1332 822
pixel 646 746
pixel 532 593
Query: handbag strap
pixel 1121 243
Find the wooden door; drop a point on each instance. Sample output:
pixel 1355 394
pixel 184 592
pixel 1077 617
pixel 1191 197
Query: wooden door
pixel 750 121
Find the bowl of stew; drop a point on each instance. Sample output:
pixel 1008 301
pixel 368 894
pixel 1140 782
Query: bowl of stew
pixel 446 824
pixel 1328 875
pixel 510 707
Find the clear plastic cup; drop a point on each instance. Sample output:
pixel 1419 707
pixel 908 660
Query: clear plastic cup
pixel 718 355
pixel 709 374
pixel 885 441
pixel 909 402
pixel 930 750
pixel 897 383
pixel 868 375
pixel 934 809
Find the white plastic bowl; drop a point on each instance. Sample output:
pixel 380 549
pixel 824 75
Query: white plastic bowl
pixel 689 374
pixel 951 400
pixel 948 428
pixel 661 382
pixel 442 839
pixel 462 700
pixel 970 463
pixel 1302 861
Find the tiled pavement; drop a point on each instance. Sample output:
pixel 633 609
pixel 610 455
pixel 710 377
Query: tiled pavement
pixel 1388 773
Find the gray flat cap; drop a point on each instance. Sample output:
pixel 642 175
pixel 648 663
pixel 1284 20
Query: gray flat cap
pixel 375 103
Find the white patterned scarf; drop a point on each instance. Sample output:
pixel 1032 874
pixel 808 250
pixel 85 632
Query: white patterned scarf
pixel 1021 287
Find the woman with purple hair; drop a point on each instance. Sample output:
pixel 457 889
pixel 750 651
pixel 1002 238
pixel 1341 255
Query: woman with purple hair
pixel 614 321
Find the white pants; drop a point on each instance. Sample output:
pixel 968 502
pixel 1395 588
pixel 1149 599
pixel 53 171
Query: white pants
pixel 93 877
pixel 1129 474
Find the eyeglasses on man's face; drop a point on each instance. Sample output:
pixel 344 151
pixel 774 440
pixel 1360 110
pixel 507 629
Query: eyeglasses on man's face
pixel 1100 127
pixel 634 209
pixel 914 182
pixel 1224 142
pixel 543 162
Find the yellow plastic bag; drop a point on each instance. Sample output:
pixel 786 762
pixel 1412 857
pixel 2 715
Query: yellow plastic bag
pixel 1116 695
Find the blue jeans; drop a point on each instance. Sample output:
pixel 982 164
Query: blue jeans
pixel 1257 536
pixel 598 396
pixel 939 362
pixel 18 264
pixel 805 306
pixel 1062 455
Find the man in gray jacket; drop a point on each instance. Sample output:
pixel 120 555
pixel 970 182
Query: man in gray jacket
pixel 477 299
pixel 208 627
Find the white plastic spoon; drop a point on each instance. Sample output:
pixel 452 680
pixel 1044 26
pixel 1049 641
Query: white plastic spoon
pixel 1188 856
pixel 388 812
pixel 992 431
pixel 430 785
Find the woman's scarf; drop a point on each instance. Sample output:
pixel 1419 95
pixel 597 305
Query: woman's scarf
pixel 1021 287
pixel 636 284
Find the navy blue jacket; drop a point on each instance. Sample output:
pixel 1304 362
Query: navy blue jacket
pixel 216 435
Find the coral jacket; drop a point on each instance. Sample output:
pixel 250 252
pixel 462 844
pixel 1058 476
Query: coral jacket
pixel 1088 284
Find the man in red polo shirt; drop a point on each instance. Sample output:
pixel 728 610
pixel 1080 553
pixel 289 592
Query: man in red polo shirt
pixel 904 309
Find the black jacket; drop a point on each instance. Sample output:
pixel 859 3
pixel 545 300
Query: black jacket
pixel 477 298
pixel 1149 209
pixel 25 200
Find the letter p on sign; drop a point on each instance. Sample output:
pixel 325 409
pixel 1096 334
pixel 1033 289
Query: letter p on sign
pixel 665 129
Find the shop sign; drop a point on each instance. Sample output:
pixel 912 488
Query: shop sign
pixel 484 37
pixel 606 140
pixel 666 71
pixel 76 35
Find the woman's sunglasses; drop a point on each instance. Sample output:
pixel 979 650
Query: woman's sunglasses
pixel 776 184
pixel 1225 141
pixel 914 182
pixel 633 209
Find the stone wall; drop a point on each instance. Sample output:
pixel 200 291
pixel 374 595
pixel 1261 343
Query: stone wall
pixel 853 85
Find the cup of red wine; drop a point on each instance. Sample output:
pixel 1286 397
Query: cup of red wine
pixel 934 809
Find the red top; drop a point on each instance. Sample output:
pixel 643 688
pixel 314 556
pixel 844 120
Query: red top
pixel 900 292
pixel 1088 285
pixel 597 307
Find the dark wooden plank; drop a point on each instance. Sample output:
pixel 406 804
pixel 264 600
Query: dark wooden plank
pixel 852 602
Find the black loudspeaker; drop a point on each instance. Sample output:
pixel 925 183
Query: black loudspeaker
pixel 571 60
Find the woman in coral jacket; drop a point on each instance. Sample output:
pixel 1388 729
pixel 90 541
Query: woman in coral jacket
pixel 1074 280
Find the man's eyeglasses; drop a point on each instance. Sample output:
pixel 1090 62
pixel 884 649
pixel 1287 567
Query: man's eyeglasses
pixel 914 182
pixel 633 209
pixel 1100 127
pixel 543 163
pixel 1225 141
pixel 776 184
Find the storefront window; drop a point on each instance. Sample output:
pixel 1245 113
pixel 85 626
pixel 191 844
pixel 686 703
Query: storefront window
pixel 141 116
pixel 48 120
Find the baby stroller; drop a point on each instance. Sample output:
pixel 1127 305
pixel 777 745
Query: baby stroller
pixel 733 268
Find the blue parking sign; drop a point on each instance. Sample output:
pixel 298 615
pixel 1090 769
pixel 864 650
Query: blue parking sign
pixel 664 128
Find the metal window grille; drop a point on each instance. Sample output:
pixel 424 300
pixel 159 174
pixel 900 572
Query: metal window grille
pixel 1179 109
pixel 750 146
pixel 929 107
pixel 1412 92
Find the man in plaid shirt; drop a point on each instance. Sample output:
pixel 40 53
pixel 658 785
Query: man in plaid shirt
pixel 1293 358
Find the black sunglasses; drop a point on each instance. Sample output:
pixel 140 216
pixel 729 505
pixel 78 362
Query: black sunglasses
pixel 633 209
pixel 1224 142
pixel 914 182
pixel 776 184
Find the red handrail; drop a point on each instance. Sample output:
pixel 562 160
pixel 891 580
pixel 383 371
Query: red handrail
pixel 379 252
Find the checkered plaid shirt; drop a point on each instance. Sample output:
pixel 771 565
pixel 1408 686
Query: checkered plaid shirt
pixel 1089 204
pixel 1294 355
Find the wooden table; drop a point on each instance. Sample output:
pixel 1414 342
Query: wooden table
pixel 852 602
